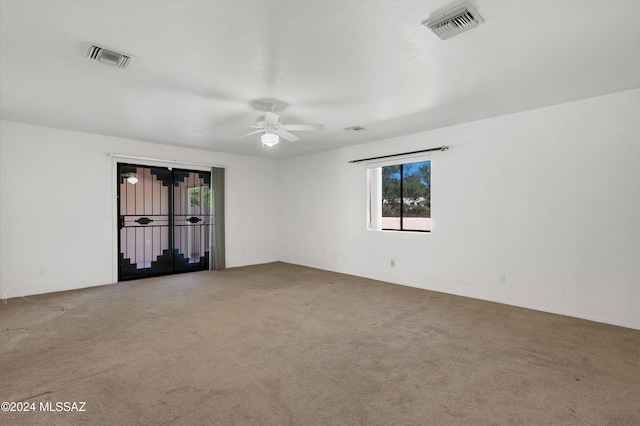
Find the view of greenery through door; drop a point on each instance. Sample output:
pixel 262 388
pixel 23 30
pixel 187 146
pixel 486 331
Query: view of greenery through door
pixel 198 193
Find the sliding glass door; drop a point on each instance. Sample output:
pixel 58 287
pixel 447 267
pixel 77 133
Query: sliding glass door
pixel 191 220
pixel 164 221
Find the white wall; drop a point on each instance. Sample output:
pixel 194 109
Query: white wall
pixel 57 206
pixel 549 197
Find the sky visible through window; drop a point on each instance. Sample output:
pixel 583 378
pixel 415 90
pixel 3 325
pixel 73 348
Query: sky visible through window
pixel 411 168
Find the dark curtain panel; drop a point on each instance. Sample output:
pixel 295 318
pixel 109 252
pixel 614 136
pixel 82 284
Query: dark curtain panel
pixel 217 178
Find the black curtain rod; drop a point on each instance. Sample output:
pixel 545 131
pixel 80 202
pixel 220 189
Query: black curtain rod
pixel 442 148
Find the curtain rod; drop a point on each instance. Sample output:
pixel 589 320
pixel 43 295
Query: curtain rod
pixel 442 148
pixel 186 163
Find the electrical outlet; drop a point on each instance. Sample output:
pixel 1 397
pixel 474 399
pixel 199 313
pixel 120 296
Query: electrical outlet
pixel 392 263
pixel 502 278
pixel 43 270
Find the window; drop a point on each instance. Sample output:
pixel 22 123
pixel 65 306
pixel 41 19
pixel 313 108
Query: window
pixel 400 196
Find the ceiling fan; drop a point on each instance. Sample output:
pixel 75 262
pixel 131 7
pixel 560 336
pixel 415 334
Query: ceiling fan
pixel 273 129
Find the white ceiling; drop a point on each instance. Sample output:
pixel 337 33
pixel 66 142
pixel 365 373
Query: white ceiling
pixel 338 63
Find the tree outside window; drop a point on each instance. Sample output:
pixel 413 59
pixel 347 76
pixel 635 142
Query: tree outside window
pixel 406 197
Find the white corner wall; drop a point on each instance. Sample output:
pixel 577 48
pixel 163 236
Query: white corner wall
pixel 548 197
pixel 57 206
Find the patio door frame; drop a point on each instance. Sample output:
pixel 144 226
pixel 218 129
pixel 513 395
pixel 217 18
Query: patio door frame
pixel 143 162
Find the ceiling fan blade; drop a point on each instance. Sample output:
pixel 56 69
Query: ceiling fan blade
pixel 286 135
pixel 251 126
pixel 298 127
pixel 271 118
pixel 251 133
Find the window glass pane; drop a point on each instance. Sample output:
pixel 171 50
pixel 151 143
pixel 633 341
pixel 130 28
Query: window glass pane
pixel 199 199
pixel 391 197
pixel 194 197
pixel 416 196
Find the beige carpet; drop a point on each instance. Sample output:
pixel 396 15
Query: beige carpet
pixel 280 344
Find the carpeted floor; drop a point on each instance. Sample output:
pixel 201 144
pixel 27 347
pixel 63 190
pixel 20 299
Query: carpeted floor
pixel 279 344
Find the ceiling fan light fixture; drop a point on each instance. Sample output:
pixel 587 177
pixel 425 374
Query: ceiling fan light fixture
pixel 269 139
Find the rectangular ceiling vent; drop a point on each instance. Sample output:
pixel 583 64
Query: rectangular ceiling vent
pixel 109 57
pixel 454 21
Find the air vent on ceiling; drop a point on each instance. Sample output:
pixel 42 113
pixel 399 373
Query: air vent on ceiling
pixel 354 129
pixel 109 57
pixel 454 21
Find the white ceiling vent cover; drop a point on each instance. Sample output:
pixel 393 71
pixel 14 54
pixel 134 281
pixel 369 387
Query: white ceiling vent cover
pixel 109 57
pixel 454 21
